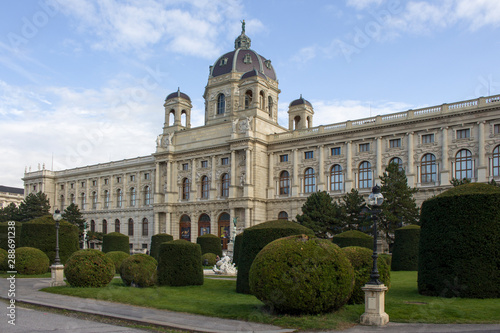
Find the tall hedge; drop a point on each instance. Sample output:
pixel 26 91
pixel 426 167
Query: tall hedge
pixel 353 238
pixel 4 233
pixel 40 233
pixel 459 250
pixel 405 249
pixel 237 248
pixel 180 264
pixel 255 238
pixel 156 240
pixel 115 241
pixel 210 244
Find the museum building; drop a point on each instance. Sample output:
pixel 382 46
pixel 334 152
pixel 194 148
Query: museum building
pixel 242 166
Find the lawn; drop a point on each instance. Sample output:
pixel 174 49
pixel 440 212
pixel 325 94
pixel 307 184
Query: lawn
pixel 218 298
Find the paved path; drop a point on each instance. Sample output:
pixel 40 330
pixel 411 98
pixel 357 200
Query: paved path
pixel 27 290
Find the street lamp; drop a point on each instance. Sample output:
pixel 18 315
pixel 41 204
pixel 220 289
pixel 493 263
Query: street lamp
pixel 57 217
pixel 374 201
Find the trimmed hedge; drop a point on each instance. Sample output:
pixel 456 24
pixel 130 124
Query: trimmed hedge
pixel 31 261
pixel 255 238
pixel 210 244
pixel 459 250
pixel 117 257
pixel 89 268
pixel 353 238
pixel 362 262
pixel 40 233
pixel 301 275
pixel 139 270
pixel 3 260
pixel 387 258
pixel 405 249
pixel 4 232
pixel 180 264
pixel 237 248
pixel 210 257
pixel 115 241
pixel 156 240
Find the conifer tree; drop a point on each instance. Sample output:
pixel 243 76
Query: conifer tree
pixel 399 205
pixel 321 214
pixel 353 207
pixel 73 215
pixel 10 213
pixel 33 206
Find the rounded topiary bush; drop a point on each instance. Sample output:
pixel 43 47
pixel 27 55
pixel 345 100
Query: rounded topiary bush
pixel 255 238
pixel 237 248
pixel 362 262
pixel 3 259
pixel 40 233
pixel 211 259
pixel 117 257
pixel 405 249
pixel 89 268
pixel 5 227
pixel 31 261
pixel 459 250
pixel 301 275
pixel 115 241
pixel 139 270
pixel 387 258
pixel 156 240
pixel 353 238
pixel 180 264
pixel 210 244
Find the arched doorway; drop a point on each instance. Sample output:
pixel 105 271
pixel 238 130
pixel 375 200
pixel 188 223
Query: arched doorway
pixel 203 225
pixel 224 229
pixel 185 228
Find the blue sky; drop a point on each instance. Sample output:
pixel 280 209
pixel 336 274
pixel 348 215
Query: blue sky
pixel 83 82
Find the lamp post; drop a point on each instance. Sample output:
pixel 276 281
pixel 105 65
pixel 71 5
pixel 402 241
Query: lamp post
pixel 375 290
pixel 57 217
pixel 57 269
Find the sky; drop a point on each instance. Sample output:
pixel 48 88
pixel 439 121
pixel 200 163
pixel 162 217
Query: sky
pixel 84 82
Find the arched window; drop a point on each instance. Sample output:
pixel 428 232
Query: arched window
pixel 224 229
pixel 224 188
pixel 365 175
pixel 205 187
pixel 144 226
pixel 398 161
pixel 284 183
pixel 92 225
pixel 83 201
pixel 283 216
pixel 185 228
pixel 336 178
pixel 463 164
pixel 203 225
pixel 171 117
pixel 495 161
pixel 185 189
pixel 147 196
pixel 94 200
pixel 296 122
pixel 130 227
pixel 119 198
pixel 261 100
pixel 104 226
pixel 270 106
pixel 117 225
pixel 61 202
pixel 248 99
pixel 309 181
pixel 221 104
pixel 428 172
pixel 132 197
pixel 106 199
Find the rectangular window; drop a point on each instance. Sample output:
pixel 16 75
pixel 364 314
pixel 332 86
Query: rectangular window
pixel 284 158
pixel 132 178
pixel 106 181
pixel 94 182
pixel 308 155
pixel 463 133
pixel 394 143
pixel 204 164
pixel 62 187
pixel 34 188
pixel 225 161
pixel 364 147
pixel 118 179
pixel 83 184
pixel 146 176
pixel 71 185
pixel 185 166
pixel 428 138
pixel 496 129
pixel 336 151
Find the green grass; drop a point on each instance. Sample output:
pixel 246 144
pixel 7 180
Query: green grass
pixel 218 298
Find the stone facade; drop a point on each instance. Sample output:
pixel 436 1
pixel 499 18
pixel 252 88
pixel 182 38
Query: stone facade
pixel 10 195
pixel 241 164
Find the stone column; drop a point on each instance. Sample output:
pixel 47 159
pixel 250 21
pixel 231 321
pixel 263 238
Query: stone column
pixel 213 181
pixel 156 224
pixel 295 174
pixel 232 187
pixel 378 161
pixel 248 178
pixel 157 178
pixel 482 168
pixel 192 196
pixel 321 169
pixel 270 189
pixel 348 171
pixel 445 171
pixel 410 168
pixel 247 218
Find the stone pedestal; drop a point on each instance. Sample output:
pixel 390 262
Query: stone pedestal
pixel 57 275
pixel 374 305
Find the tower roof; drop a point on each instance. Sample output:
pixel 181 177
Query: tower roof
pixel 176 94
pixel 300 101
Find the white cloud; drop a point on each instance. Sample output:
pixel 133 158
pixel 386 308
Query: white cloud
pixel 361 4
